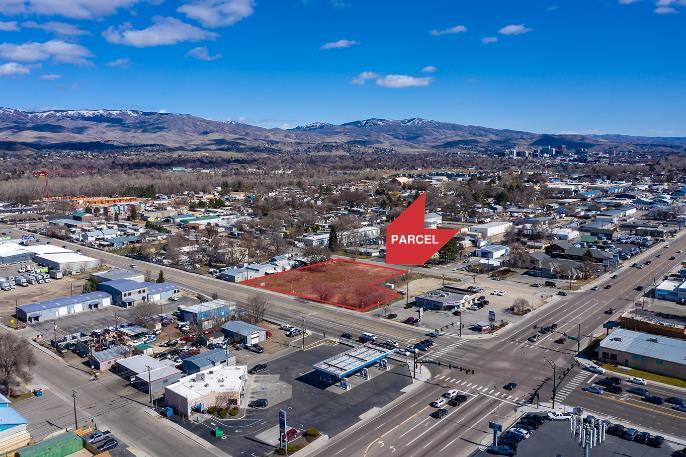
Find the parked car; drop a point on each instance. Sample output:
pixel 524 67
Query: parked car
pixel 655 441
pixel 642 437
pixel 258 368
pixel 107 445
pixel 290 435
pixel 256 348
pixel 559 416
pixel 512 436
pixel 501 450
pixel 616 430
pixel 610 311
pixel 259 403
pixel 630 434
pixel 594 369
pixel 97 436
pixel 521 432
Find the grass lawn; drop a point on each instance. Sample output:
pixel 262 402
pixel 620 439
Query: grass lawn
pixel 645 375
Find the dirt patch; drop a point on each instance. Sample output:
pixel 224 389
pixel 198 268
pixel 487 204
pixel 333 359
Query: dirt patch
pixel 340 282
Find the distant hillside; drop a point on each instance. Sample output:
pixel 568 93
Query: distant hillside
pixel 105 130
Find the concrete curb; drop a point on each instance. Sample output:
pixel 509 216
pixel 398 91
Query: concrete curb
pixel 207 446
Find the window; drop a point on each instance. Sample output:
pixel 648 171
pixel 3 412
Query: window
pixel 659 362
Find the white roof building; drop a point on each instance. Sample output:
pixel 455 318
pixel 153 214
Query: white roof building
pixel 220 384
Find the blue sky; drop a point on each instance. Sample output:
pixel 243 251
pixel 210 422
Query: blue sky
pixel 587 66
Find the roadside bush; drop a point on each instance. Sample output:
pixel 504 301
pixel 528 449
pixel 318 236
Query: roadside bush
pixel 291 449
pixel 212 410
pixel 223 413
pixel 312 433
pixel 234 411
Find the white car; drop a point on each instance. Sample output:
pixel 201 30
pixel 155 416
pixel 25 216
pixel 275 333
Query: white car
pixel 450 394
pixel 594 369
pixel 520 431
pixel 559 416
pixel 635 380
pixel 402 351
pixel 439 403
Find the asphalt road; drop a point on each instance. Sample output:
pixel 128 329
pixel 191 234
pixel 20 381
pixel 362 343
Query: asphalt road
pixel 496 361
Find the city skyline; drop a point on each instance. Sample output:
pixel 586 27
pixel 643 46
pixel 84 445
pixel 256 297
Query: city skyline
pixel 553 67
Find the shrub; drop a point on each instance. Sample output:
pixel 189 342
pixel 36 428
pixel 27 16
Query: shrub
pixel 223 413
pixel 312 433
pixel 234 411
pixel 212 410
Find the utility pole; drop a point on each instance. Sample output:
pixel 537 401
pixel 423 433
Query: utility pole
pixel 460 329
pixel 578 339
pixel 54 334
pixel 407 288
pixel 554 379
pixel 414 364
pixel 149 385
pixel 74 395
pixel 303 333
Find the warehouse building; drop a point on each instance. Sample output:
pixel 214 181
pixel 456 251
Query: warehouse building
pixel 206 360
pixel 206 314
pixel 146 373
pixel 218 386
pixel 13 428
pixel 67 261
pixel 11 252
pixel 60 307
pixel 491 229
pixel 642 351
pixel 161 292
pixel 244 332
pixel 125 292
pixel 113 275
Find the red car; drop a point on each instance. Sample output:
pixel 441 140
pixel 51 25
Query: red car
pixel 410 320
pixel 187 338
pixel 608 286
pixel 290 435
pixel 269 334
pixel 561 340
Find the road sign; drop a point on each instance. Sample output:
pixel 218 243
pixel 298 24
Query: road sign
pixel 491 316
pixel 573 338
pixel 495 426
pixel 282 422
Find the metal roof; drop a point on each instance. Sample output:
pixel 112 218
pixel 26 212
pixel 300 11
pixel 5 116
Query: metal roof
pixel 124 285
pixel 140 363
pixel 159 287
pixel 644 344
pixel 9 416
pixel 64 301
pixel 111 353
pixel 350 361
pixel 207 306
pixel 205 359
pixel 113 275
pixel 242 328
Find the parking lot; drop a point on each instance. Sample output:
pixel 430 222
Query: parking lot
pixel 554 438
pixel 311 405
pixel 500 296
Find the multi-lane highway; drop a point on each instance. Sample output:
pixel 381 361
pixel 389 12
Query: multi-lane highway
pixel 407 427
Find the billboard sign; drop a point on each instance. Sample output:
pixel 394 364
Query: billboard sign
pixel 282 422
pixel 491 316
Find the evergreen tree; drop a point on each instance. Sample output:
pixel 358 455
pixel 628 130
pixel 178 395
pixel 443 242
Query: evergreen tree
pixel 449 251
pixel 333 239
pixel 160 277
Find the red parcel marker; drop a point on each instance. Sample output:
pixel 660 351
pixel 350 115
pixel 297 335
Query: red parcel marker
pixel 408 242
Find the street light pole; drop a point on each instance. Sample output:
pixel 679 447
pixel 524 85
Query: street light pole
pixel 578 339
pixel 303 333
pixel 552 364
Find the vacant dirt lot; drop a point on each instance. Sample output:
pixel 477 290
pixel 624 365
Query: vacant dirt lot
pixel 339 282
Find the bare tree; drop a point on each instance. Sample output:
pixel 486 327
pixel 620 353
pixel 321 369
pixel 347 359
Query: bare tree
pixel 16 361
pixel 143 314
pixel 324 291
pixel 520 306
pixel 315 254
pixel 257 306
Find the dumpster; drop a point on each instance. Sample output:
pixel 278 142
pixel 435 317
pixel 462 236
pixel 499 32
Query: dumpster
pixel 38 392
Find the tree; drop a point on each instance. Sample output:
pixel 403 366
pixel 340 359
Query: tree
pixel 160 277
pixel 449 251
pixel 315 254
pixel 143 314
pixel 520 306
pixel 324 291
pixel 257 306
pixel 148 275
pixel 133 212
pixel 333 239
pixel 90 286
pixel 16 361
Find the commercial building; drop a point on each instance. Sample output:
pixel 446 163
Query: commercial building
pixel 446 298
pixel 161 292
pixel 104 360
pixel 13 428
pixel 67 261
pixel 491 229
pixel 244 332
pixel 60 445
pixel 12 252
pixel 113 275
pixel 492 251
pixel 217 386
pixel 206 360
pixel 53 309
pixel 671 290
pixel 652 353
pixel 207 314
pixel 125 292
pixel 146 373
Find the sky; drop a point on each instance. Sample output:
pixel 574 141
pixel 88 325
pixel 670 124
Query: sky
pixel 554 66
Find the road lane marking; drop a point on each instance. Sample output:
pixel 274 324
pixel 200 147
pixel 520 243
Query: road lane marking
pixel 438 422
pixel 470 427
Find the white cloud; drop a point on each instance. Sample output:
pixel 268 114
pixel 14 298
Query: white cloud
pixel 364 77
pixel 514 29
pixel 429 69
pixel 489 39
pixel 402 81
pixel 668 6
pixel 218 13
pixel 56 50
pixel 75 9
pixel 58 28
pixel 450 30
pixel 202 53
pixel 13 68
pixel 627 2
pixel 164 31
pixel 122 62
pixel 665 10
pixel 50 77
pixel 10 26
pixel 339 44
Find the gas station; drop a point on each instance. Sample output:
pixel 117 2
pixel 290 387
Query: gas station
pixel 358 360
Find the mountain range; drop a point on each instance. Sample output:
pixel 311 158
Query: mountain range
pixel 120 129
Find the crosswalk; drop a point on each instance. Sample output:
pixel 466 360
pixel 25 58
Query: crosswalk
pixel 469 387
pixel 572 385
pixel 436 354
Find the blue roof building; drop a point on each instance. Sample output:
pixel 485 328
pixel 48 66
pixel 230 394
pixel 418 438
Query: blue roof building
pixel 244 332
pixel 52 309
pixel 125 292
pixel 206 360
